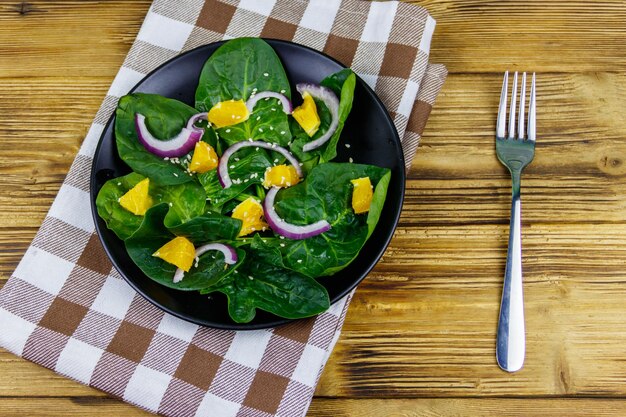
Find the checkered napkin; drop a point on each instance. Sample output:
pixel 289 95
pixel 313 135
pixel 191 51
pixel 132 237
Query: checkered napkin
pixel 67 309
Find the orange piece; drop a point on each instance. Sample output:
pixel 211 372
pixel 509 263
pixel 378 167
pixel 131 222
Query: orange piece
pixel 250 212
pixel 227 113
pixel 280 176
pixel 178 251
pixel 204 158
pixel 306 115
pixel 362 195
pixel 137 200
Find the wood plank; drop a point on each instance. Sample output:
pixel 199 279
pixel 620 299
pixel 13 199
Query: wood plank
pixel 105 407
pixel 586 36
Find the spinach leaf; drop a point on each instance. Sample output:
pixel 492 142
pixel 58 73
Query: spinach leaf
pixel 186 201
pixel 121 221
pixel 282 292
pixel 326 194
pixel 343 84
pixel 208 227
pixel 165 118
pixel 152 234
pixel 235 71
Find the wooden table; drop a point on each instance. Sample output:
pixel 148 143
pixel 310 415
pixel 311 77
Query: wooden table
pixel 419 337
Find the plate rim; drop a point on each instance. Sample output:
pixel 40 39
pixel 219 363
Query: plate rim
pixel 279 321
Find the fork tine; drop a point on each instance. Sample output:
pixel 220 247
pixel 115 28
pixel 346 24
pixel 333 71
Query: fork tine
pixel 522 107
pixel 500 124
pixel 532 118
pixel 512 111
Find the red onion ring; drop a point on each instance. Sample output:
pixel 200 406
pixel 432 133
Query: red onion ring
pixel 222 168
pixel 284 101
pixel 289 230
pixel 179 145
pixel 331 101
pixel 230 256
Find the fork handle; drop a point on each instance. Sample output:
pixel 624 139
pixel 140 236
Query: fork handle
pixel 511 344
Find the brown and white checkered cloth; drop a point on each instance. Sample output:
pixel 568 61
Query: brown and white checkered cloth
pixel 67 309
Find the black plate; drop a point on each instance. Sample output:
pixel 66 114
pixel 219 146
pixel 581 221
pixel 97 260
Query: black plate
pixel 369 129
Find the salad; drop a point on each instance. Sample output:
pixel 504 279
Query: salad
pixel 240 194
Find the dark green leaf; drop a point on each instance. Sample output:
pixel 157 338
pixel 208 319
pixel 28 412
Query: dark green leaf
pixel 277 290
pixel 164 118
pixel 208 227
pixel 236 70
pixel 152 234
pixel 121 221
pixel 343 84
pixel 326 194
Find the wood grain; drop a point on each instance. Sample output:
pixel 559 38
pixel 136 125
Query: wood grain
pixel 419 336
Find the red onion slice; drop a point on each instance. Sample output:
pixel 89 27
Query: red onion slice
pixel 331 101
pixel 284 101
pixel 230 256
pixel 288 230
pixel 191 124
pixel 222 168
pixel 179 145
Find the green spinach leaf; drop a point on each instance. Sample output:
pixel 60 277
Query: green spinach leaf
pixel 235 71
pixel 343 84
pixel 121 221
pixel 208 227
pixel 165 118
pixel 152 234
pixel 326 194
pixel 280 291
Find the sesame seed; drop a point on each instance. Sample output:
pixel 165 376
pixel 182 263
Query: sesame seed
pixel 260 130
pixel 246 180
pixel 227 130
pixel 258 117
pixel 255 89
pixel 249 139
pixel 347 145
pixel 267 98
pixel 171 205
pixel 282 245
pixel 118 200
pixel 276 160
pixel 167 158
pixel 175 174
pixel 236 159
pixel 232 116
pixel 265 74
pixel 256 149
pixel 271 127
pixel 273 108
pixel 250 277
pixel 282 91
pixel 299 261
pixel 282 132
pixel 119 183
pixel 351 160
pixel 273 145
pixel 282 237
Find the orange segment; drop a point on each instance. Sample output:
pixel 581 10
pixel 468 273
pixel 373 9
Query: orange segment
pixel 362 195
pixel 281 176
pixel 306 115
pixel 250 212
pixel 137 200
pixel 204 158
pixel 178 251
pixel 226 113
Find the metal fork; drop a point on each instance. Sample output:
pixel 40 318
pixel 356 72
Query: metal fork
pixel 515 153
